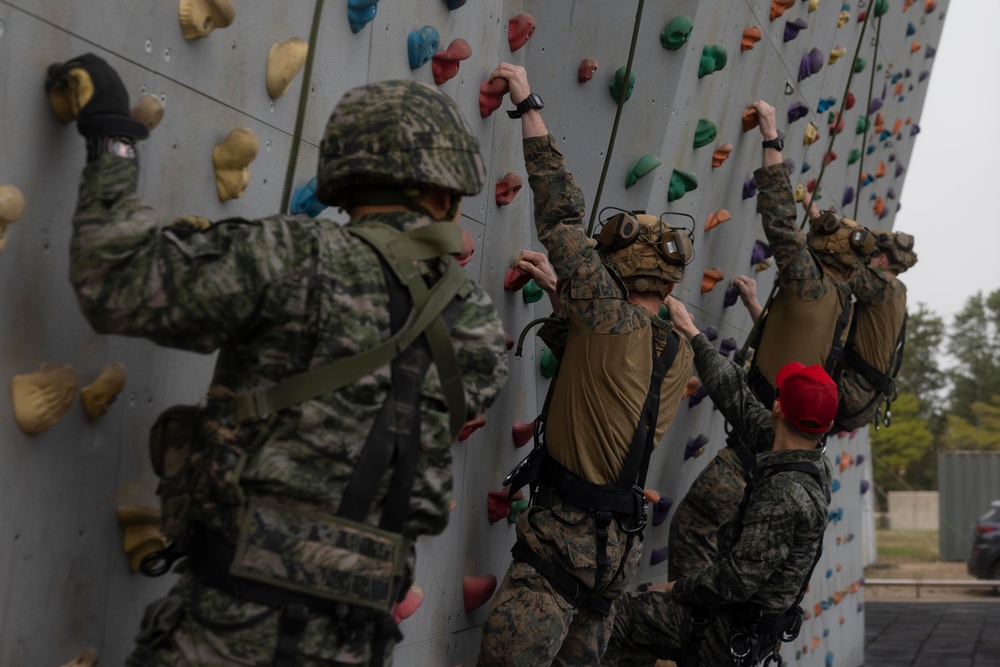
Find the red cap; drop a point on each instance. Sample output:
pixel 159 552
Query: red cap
pixel 808 397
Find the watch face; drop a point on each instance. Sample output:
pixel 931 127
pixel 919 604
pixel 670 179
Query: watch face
pixel 122 148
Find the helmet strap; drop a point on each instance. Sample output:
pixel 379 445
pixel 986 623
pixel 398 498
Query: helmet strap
pixel 407 197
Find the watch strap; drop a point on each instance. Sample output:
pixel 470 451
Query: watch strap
pixel 775 143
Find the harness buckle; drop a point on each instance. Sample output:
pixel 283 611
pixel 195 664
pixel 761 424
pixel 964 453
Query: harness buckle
pixel 258 401
pixel 740 645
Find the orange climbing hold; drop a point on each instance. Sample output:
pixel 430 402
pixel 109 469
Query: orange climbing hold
pixel 750 37
pixel 652 495
pixel 477 590
pixel 750 119
pixel 710 279
pixel 880 170
pixel 778 7
pixel 692 386
pixel 721 153
pixel 879 122
pixel 897 126
pixel 914 47
pixel 816 640
pixel 845 461
pixel 898 90
pixel 715 219
pixel 929 6
pixel 878 206
pixel 522 432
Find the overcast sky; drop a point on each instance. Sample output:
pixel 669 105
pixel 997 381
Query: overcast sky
pixel 951 196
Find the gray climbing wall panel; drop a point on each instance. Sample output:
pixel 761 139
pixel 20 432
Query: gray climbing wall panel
pixel 65 580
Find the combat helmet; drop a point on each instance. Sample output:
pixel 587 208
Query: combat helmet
pixel 898 247
pixel 840 242
pixel 396 136
pixel 646 252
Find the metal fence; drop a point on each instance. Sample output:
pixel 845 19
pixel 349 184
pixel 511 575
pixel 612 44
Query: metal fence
pixel 968 481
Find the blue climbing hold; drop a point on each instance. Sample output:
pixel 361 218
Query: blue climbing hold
pixel 304 200
pixel 421 45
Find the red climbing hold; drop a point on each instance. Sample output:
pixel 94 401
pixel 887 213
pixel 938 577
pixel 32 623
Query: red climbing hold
pixel 507 188
pixel 522 432
pixel 515 279
pixel 491 96
pixel 587 68
pixel 477 590
pixel 520 28
pixel 471 427
pixel 444 64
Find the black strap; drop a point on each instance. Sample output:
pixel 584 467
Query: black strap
pixel 698 617
pixel 834 363
pixel 748 462
pixel 566 585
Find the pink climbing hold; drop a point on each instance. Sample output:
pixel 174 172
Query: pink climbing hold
pixel 522 432
pixel 586 71
pixel 444 64
pixel 507 188
pixel 498 504
pixel 405 607
pixel 515 279
pixel 520 28
pixel 477 590
pixel 471 427
pixel 468 247
pixel 491 96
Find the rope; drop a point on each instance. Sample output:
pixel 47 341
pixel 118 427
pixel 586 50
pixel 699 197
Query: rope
pixel 741 356
pixel 871 86
pixel 618 115
pixel 293 155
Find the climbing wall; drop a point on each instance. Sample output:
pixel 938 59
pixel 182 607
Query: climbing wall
pixel 65 579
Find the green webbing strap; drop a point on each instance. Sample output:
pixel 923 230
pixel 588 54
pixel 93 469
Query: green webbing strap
pixel 427 307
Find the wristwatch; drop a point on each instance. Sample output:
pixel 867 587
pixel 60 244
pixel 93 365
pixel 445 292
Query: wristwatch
pixel 120 146
pixel 776 143
pixel 532 101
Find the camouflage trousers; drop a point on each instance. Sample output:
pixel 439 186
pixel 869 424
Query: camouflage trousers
pixel 653 626
pixel 857 402
pixel 199 626
pixel 530 624
pixel 711 501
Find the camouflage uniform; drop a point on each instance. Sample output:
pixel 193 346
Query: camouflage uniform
pixel 529 623
pixel 709 503
pixel 276 296
pixel 802 316
pixel 766 558
pixel 879 311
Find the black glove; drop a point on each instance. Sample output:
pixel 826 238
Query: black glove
pixel 89 90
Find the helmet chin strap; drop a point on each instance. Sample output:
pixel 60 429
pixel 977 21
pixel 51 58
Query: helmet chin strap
pixel 408 197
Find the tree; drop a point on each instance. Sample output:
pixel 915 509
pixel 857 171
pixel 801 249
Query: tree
pixel 920 373
pixel 895 450
pixel 983 433
pixel 975 344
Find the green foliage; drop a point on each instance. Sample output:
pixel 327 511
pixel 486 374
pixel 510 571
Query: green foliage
pixel 920 373
pixel 896 448
pixel 974 342
pixel 980 433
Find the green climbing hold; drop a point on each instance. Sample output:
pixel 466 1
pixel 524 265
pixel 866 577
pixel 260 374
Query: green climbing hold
pixel 548 364
pixel 862 126
pixel 881 7
pixel 860 64
pixel 713 59
pixel 516 508
pixel 643 166
pixel 677 33
pixel 681 183
pixel 531 292
pixel 618 84
pixel 854 156
pixel 705 133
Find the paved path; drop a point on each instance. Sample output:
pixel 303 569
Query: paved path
pixel 932 634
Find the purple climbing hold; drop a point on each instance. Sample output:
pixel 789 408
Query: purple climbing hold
pixel 732 296
pixel 908 73
pixel 749 188
pixel 796 111
pixel 859 459
pixel 696 398
pixel 727 347
pixel 694 445
pixel 914 130
pixel 848 196
pixel 657 556
pixel 890 193
pixel 875 105
pixel 661 508
pixel 861 606
pixel 923 75
pixel 710 332
pixel 790 165
pixel 811 63
pixel 899 170
pixel 760 252
pixel 865 485
pixel 929 51
pixel 792 29
pixel 891 158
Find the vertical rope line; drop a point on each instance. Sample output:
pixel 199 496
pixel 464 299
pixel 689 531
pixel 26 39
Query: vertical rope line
pixel 293 155
pixel 871 86
pixel 618 114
